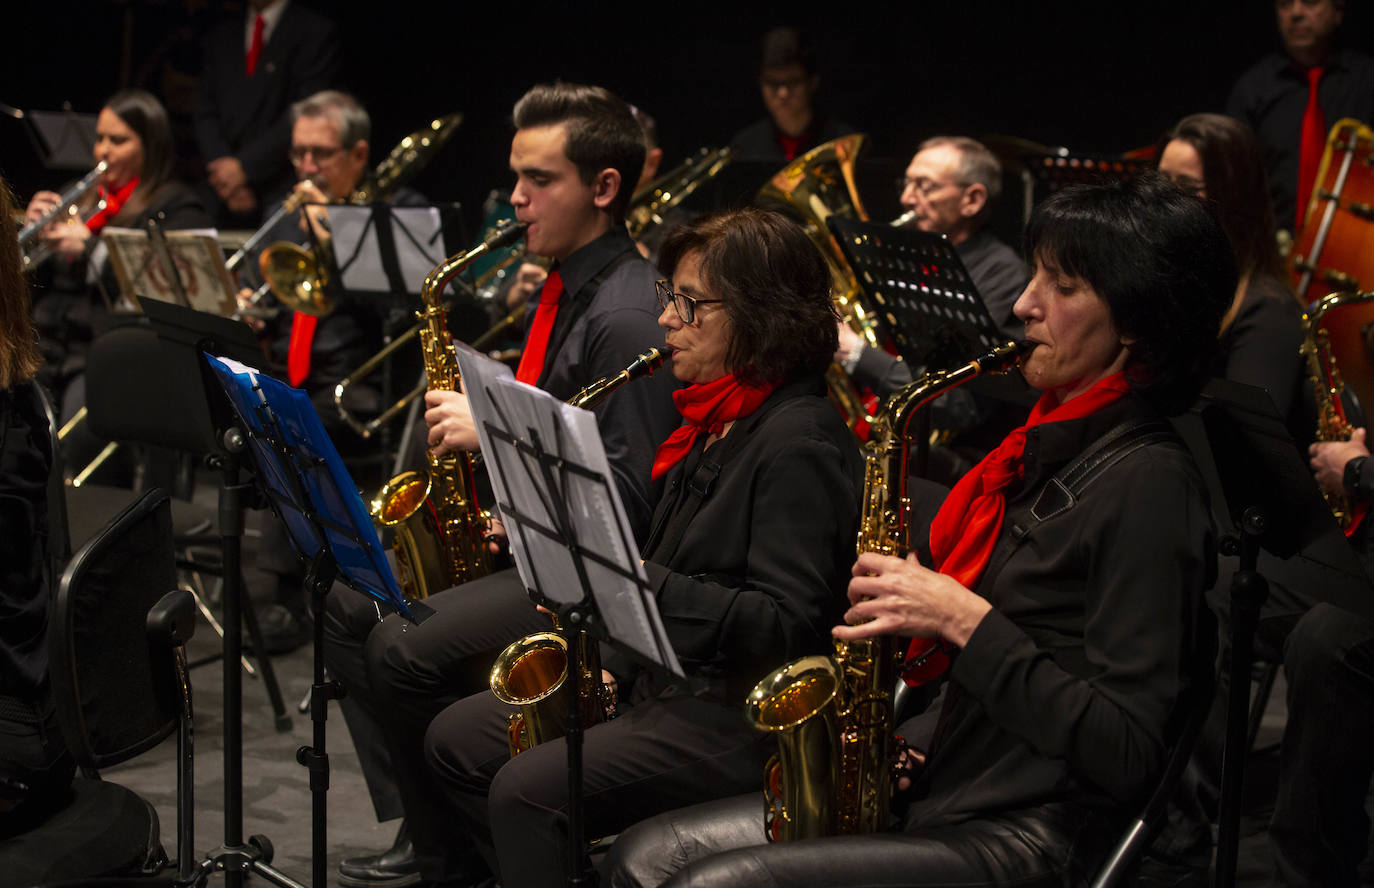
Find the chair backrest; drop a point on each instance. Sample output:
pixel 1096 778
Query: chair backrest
pixel 116 695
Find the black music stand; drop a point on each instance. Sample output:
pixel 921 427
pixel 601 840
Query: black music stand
pixel 923 300
pixel 570 538
pixel 1280 526
pixel 1044 174
pixel 62 139
pixel 310 490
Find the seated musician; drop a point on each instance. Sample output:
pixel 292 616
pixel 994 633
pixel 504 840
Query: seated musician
pixel 1069 616
pixel 574 151
pixel 745 575
pixel 951 187
pixel 72 301
pixel 1218 159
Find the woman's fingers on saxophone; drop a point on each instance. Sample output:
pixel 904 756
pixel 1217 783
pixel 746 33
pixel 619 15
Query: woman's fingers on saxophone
pixel 450 422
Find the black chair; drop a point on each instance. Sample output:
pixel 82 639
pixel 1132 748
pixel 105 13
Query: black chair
pixel 120 687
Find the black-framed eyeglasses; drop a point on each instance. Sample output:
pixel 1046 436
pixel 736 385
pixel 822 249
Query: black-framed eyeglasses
pixel 320 154
pixel 684 305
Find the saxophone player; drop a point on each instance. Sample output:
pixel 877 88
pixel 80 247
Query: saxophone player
pixel 747 557
pixel 1067 616
pixel 576 154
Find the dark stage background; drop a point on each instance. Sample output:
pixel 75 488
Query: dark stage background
pixel 1095 77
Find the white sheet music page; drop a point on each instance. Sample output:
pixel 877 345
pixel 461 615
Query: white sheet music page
pixel 554 488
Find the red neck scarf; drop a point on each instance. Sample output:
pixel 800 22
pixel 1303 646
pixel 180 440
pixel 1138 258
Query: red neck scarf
pixel 969 522
pixel 113 204
pixel 706 409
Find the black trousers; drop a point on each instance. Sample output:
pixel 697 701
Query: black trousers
pixel 399 675
pixel 721 845
pixel 1320 831
pixel 663 753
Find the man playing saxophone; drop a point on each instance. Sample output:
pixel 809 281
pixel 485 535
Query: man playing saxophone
pixel 576 152
pixel 747 556
pixel 1065 597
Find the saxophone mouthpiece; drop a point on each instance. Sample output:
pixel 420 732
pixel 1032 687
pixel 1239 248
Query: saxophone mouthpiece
pixel 646 363
pixel 506 234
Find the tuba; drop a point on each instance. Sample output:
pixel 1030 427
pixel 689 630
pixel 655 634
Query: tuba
pixel 1334 337
pixel 300 277
pixel 440 529
pixel 532 673
pixel 812 188
pixel 833 714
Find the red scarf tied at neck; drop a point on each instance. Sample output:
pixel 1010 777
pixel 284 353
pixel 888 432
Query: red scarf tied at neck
pixel 969 522
pixel 707 408
pixel 113 204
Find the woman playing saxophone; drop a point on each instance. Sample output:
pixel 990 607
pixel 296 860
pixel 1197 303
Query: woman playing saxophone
pixel 1066 596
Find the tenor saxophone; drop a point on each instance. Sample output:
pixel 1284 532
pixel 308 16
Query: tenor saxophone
pixel 440 530
pixel 532 673
pixel 833 714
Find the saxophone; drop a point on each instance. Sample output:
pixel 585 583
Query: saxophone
pixel 531 673
pixel 1321 354
pixel 833 714
pixel 439 527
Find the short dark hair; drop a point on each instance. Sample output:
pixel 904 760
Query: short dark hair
pixel 1237 186
pixel 20 357
pixel 775 288
pixel 1161 263
pixel 602 132
pixel 786 46
pixel 143 113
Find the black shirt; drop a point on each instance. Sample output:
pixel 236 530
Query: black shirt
pixel 1261 348
pixel 25 457
pixel 1064 689
pixel 1271 98
pixel 761 140
pixel 597 332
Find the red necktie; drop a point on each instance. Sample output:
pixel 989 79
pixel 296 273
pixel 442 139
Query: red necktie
pixel 250 64
pixel 1312 145
pixel 298 353
pixel 537 343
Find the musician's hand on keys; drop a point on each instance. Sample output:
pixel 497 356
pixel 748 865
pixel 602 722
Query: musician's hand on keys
pixel 450 422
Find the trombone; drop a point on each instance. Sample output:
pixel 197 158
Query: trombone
pixel 367 429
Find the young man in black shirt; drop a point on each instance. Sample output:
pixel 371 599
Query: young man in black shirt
pixel 576 153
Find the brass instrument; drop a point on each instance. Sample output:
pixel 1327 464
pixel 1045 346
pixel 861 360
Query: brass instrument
pixel 814 187
pixel 299 277
pixel 67 205
pixel 366 368
pixel 672 188
pixel 1336 350
pixel 440 530
pixel 531 673
pixel 833 715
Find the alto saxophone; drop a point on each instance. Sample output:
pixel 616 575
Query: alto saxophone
pixel 439 528
pixel 833 714
pixel 1327 384
pixel 531 673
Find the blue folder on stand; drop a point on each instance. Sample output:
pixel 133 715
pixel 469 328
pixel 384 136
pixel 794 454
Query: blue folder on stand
pixel 311 490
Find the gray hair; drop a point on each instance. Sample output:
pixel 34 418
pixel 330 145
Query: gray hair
pixel 348 115
pixel 977 165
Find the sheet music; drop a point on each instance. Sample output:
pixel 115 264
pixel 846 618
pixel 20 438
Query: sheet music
pixel 199 264
pixel 515 423
pixel 419 246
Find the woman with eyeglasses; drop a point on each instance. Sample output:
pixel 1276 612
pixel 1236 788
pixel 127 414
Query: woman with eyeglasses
pixel 1218 160
pixel 747 557
pixel 75 289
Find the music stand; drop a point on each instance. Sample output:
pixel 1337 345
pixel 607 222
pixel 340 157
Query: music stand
pixel 1262 488
pixel 570 537
pixel 1044 174
pixel 62 139
pixel 311 492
